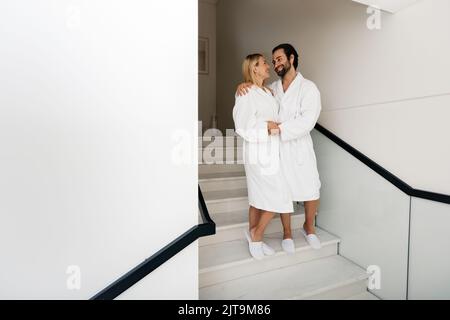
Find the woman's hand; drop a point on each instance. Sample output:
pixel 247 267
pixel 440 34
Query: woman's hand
pixel 272 128
pixel 243 88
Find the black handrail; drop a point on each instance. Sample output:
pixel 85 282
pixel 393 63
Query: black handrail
pixel 142 270
pixel 403 186
pixel 204 210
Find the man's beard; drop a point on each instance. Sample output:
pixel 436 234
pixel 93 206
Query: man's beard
pixel 282 72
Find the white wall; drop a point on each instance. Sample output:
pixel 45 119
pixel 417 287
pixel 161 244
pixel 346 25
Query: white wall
pixel 207 82
pixel 384 91
pixel 429 267
pixel 86 172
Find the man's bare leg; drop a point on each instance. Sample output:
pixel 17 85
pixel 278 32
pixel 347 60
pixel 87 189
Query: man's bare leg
pixel 286 222
pixel 310 215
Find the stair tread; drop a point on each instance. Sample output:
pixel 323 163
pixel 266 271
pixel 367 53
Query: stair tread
pixel 293 282
pixel 224 194
pixel 363 296
pixel 234 218
pixel 236 251
pixel 226 141
pixel 224 147
pixel 220 167
pixel 221 175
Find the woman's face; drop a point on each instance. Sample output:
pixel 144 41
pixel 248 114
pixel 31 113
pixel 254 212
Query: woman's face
pixel 262 69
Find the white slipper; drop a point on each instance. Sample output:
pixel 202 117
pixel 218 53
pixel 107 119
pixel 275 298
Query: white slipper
pixel 268 250
pixel 288 246
pixel 312 239
pixel 255 248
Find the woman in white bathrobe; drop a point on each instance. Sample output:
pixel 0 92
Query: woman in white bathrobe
pixel 255 116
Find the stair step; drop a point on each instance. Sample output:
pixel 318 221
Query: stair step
pixel 223 195
pixel 340 292
pixel 310 280
pixel 221 148
pixel 364 296
pixel 231 225
pixel 236 252
pixel 231 259
pixel 222 181
pixel 219 168
pixel 226 200
pixel 204 142
pixel 221 176
pixel 211 155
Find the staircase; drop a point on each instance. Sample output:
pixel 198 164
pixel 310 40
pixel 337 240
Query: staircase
pixel 228 272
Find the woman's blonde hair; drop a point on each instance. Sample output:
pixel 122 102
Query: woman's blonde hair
pixel 247 67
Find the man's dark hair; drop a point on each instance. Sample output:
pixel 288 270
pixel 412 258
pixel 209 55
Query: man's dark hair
pixel 288 50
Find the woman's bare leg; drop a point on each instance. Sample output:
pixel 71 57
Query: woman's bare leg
pixel 257 233
pixel 254 215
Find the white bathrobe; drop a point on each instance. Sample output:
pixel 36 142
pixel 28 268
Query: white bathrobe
pixel 300 108
pixel 267 186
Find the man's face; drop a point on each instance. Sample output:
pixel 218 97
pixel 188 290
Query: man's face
pixel 281 64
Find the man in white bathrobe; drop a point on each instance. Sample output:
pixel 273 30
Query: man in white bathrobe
pixel 300 107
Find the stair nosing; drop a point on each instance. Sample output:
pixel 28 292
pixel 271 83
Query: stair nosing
pixel 373 296
pixel 243 177
pixel 248 260
pixel 222 147
pixel 226 199
pixel 352 280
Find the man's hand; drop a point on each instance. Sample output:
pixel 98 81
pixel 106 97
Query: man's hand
pixel 243 88
pixel 272 128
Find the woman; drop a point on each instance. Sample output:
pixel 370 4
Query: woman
pixel 255 116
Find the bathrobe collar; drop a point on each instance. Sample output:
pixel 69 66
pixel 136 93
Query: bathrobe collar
pixel 292 87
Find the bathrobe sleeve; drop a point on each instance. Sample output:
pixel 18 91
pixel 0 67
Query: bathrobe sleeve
pixel 306 118
pixel 248 126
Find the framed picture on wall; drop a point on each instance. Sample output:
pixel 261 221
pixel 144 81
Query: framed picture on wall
pixel 203 55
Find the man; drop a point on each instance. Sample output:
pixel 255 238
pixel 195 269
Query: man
pixel 300 107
